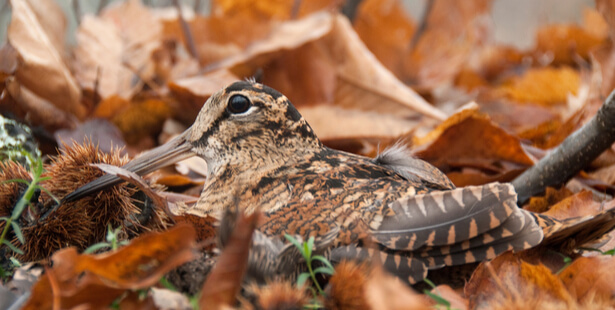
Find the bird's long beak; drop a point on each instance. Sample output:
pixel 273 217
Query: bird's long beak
pixel 171 152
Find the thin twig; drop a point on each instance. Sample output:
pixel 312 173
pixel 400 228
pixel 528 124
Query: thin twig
pixel 149 82
pixel 101 5
pixel 571 156
pixel 350 9
pixel 422 25
pixel 294 10
pixel 186 31
pixel 77 11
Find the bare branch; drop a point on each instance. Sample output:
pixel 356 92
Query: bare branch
pixel 570 157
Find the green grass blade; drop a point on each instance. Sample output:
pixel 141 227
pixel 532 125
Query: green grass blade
pixel 302 278
pixel 12 247
pixel 18 232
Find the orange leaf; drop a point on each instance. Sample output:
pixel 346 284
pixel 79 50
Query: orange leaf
pixel 546 86
pixel 224 281
pixel 113 48
pixel 386 29
pixel 453 30
pixel 469 139
pixel 565 42
pixel 579 204
pixel 590 278
pixel 508 282
pixel 40 57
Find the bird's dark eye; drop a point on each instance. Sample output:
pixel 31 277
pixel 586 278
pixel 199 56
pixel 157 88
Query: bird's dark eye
pixel 238 104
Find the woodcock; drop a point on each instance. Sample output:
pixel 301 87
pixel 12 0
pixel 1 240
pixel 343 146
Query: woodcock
pixel 262 155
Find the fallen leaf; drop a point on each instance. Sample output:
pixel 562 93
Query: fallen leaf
pixel 386 29
pixel 577 205
pixel 114 50
pixel 332 122
pixel 33 109
pixel 563 43
pixel 99 131
pixel 55 290
pixel 452 31
pixel 360 71
pixel 142 263
pixel 143 118
pixel 361 81
pixel 452 296
pixel 547 86
pixel 286 36
pixel 469 139
pixel 41 67
pixel 270 10
pixel 224 281
pixel 361 286
pixel 552 196
pixel 591 278
pixel 509 282
pixel 192 92
pixel 95 281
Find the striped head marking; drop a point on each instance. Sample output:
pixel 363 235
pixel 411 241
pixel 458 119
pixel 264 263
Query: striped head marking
pixel 249 122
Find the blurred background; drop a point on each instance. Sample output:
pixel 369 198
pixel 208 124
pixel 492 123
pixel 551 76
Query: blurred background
pixel 515 21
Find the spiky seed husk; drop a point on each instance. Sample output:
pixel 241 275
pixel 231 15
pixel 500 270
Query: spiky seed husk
pixel 278 295
pixel 83 222
pixel 346 289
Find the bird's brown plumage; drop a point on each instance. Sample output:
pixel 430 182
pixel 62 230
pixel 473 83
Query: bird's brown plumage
pixel 395 207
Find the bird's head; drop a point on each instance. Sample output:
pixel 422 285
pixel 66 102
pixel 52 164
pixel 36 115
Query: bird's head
pixel 245 125
pixel 249 123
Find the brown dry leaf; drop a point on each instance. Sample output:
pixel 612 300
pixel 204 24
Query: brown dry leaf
pixel 99 131
pixel 547 86
pixel 191 93
pixel 551 197
pixel 470 140
pixel 381 286
pixel 110 107
pixel 96 280
pixel 507 282
pixel 115 49
pixel 605 174
pixel 386 29
pixel 343 64
pixel 591 278
pixel 579 204
pixel 300 66
pixel 451 295
pixel 605 56
pixel 58 290
pixel 224 281
pixel 336 123
pixel 594 23
pixel 41 67
pixel 537 122
pixel 363 82
pixel 564 43
pixel 454 30
pixel 175 180
pixel 142 119
pixel 27 105
pixel 363 287
pixel 285 36
pixel 140 264
pixel 493 61
pixel 268 10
